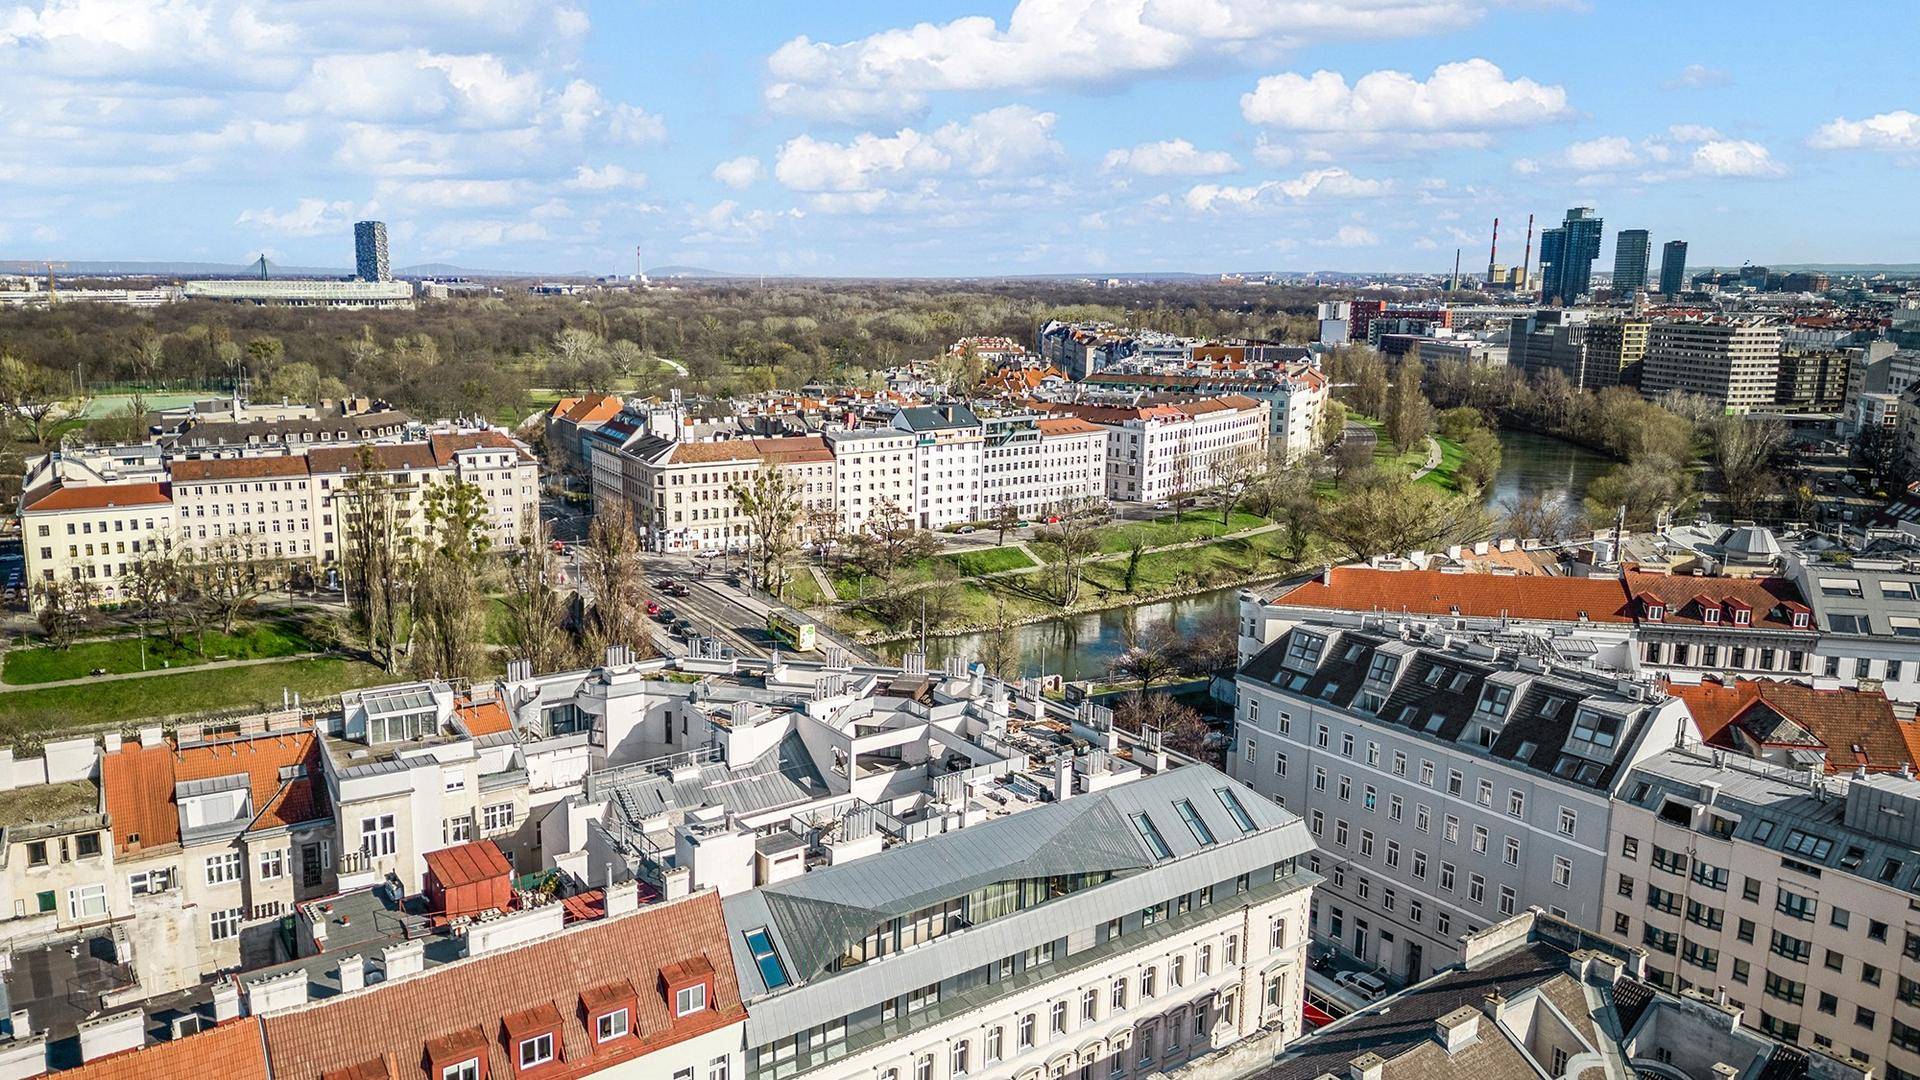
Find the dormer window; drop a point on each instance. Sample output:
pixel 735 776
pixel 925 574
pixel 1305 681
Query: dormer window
pixel 536 1051
pixel 1800 620
pixel 1709 611
pixel 1495 702
pixel 1652 609
pixel 610 1026
pixel 690 999
pixel 1742 614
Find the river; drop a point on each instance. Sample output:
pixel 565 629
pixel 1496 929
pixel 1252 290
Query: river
pixel 1081 646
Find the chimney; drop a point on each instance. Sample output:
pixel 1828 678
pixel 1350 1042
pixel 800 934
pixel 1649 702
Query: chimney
pixel 405 958
pixel 623 899
pixel 21 1024
pixel 1063 777
pixel 1457 1029
pixel 113 1033
pixel 353 973
pixel 226 1001
pixel 276 992
pixel 1366 1067
pixel 1724 1071
pixel 1493 1003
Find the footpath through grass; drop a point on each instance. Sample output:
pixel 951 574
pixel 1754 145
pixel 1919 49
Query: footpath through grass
pixel 62 708
pixel 121 655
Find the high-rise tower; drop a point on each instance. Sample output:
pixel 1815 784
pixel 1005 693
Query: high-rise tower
pixel 1673 268
pixel 370 251
pixel 1566 257
pixel 1632 249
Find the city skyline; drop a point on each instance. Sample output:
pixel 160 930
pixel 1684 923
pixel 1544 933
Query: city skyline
pixel 1045 136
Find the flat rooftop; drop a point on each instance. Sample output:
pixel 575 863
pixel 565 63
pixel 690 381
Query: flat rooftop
pixel 44 804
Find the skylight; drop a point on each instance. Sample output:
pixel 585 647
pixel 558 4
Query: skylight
pixel 1149 833
pixel 1194 825
pixel 1234 810
pixel 772 972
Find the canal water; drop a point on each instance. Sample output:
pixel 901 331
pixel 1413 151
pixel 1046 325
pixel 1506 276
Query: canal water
pixel 1082 646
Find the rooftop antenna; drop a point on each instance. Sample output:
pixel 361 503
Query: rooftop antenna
pixel 1493 250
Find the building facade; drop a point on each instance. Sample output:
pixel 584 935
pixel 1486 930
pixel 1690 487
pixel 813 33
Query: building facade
pixel 1733 363
pixel 1632 249
pixel 1673 268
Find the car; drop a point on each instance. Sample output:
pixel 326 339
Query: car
pixel 965 530
pixel 682 628
pixel 653 608
pixel 1362 984
pixel 665 615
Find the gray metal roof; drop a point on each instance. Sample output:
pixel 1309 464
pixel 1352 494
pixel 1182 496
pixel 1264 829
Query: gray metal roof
pixel 932 418
pixel 782 776
pixel 813 918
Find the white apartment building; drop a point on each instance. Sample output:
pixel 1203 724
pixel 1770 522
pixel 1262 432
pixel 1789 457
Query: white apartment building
pixel 1034 464
pixel 948 441
pixel 1155 450
pixel 93 534
pixel 871 466
pixel 681 494
pixel 268 501
pixel 1296 396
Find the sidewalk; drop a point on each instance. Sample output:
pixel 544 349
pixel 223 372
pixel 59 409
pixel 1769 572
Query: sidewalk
pixel 215 665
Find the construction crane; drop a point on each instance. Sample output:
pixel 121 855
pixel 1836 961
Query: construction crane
pixel 53 297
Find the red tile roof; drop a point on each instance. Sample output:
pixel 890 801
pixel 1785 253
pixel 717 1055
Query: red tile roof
pixel 139 780
pixel 231 1051
pixel 1489 596
pixel 592 409
pixel 398 1018
pixel 99 497
pixel 1764 596
pixel 194 470
pixel 483 718
pixel 1068 426
pixel 466 864
pixel 1838 720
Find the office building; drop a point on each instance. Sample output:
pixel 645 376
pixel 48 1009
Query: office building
pixel 1114 934
pixel 1734 363
pixel 1632 249
pixel 1617 349
pixel 1449 787
pixel 1553 340
pixel 1566 257
pixel 370 251
pixel 342 295
pixel 1673 268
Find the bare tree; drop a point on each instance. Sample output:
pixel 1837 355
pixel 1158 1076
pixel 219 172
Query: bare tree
pixel 1000 647
pixel 377 573
pixel 890 539
pixel 1532 517
pixel 1385 512
pixel 1232 472
pixel 536 608
pixel 1180 725
pixel 449 614
pixel 1076 536
pixel 230 573
pixel 1744 449
pixel 770 502
pixel 155 585
pixel 66 607
pixel 1005 516
pixel 611 572
pixel 1151 656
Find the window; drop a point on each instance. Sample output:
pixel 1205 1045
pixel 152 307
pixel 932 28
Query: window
pixel 719 1068
pixel 1794 905
pixel 1455 782
pixel 497 818
pixel 1089 1006
pixel 222 925
pixel 223 868
pixel 1277 934
pixel 536 1051
pixel 1057 1020
pixel 1513 851
pixel 690 999
pixel 611 1026
pixel 378 838
pixel 465 1070
pixel 1484 793
pixel 87 901
pixel 1807 844
pixel 1792 948
pixel 1149 983
pixel 957 1063
pixel 1026 1032
pixel 1562 872
pixel 1235 810
pixel 1194 824
pixel 773 973
pixel 996 1045
pixel 273 864
pixel 1149 833
pixel 1119 996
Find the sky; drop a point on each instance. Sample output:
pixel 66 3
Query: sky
pixel 911 138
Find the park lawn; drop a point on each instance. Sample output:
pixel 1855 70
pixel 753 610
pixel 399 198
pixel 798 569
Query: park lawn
pixel 1192 568
pixel 987 561
pixel 1446 476
pixel 120 655
pixel 802 590
pixel 1199 523
pixel 63 708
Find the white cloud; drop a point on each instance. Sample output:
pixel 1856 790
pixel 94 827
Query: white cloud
pixel 1355 236
pixel 605 178
pixel 1897 130
pixel 1696 77
pixel 1271 153
pixel 484 233
pixel 452 193
pixel 1606 154
pixel 1334 183
pixel 1173 157
pixel 1469 96
pixel 740 173
pixel 308 217
pixel 1072 43
pixel 1734 157
pixel 1000 141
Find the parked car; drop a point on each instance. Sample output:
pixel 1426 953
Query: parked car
pixel 1362 984
pixel 653 608
pixel 965 530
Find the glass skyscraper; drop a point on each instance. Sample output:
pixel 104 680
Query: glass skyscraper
pixel 1632 249
pixel 1673 268
pixel 1566 257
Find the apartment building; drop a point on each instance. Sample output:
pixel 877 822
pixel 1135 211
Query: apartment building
pixel 1787 890
pixel 232 828
pixel 93 535
pixel 1735 627
pixel 1040 464
pixel 262 502
pixel 1735 364
pixel 1296 395
pixel 1867 612
pixel 1156 450
pixel 1449 786
pixel 55 853
pixel 872 467
pixel 682 493
pixel 1117 933
pixel 948 443
pixel 1534 997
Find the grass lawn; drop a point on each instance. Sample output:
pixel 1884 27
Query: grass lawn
pixel 1200 523
pixel 60 708
pixel 1445 475
pixel 47 664
pixel 1190 568
pixel 802 589
pixel 987 561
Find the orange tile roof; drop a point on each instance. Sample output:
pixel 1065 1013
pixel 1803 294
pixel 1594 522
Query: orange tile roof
pixel 592 409
pixel 799 449
pixel 249 468
pixel 137 781
pixel 725 450
pixel 276 802
pixel 1488 596
pixel 99 497
pixel 1067 426
pixel 399 1018
pixel 1841 720
pixel 1763 595
pixel 483 718
pixel 231 1051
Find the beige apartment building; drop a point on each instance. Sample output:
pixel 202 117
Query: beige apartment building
pixel 93 535
pixel 1157 450
pixel 872 466
pixel 683 491
pixel 1041 464
pixel 1734 363
pixel 1788 890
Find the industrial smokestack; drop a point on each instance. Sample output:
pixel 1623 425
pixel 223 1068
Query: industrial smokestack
pixel 1454 286
pixel 1526 263
pixel 1493 252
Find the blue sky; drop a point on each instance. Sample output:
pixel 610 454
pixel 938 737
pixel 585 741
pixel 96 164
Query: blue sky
pixel 847 137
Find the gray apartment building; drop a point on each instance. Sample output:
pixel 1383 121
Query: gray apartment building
pixel 1449 784
pixel 1734 363
pixel 1113 934
pixel 1794 893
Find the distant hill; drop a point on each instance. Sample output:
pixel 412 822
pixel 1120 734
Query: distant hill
pixel 673 270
